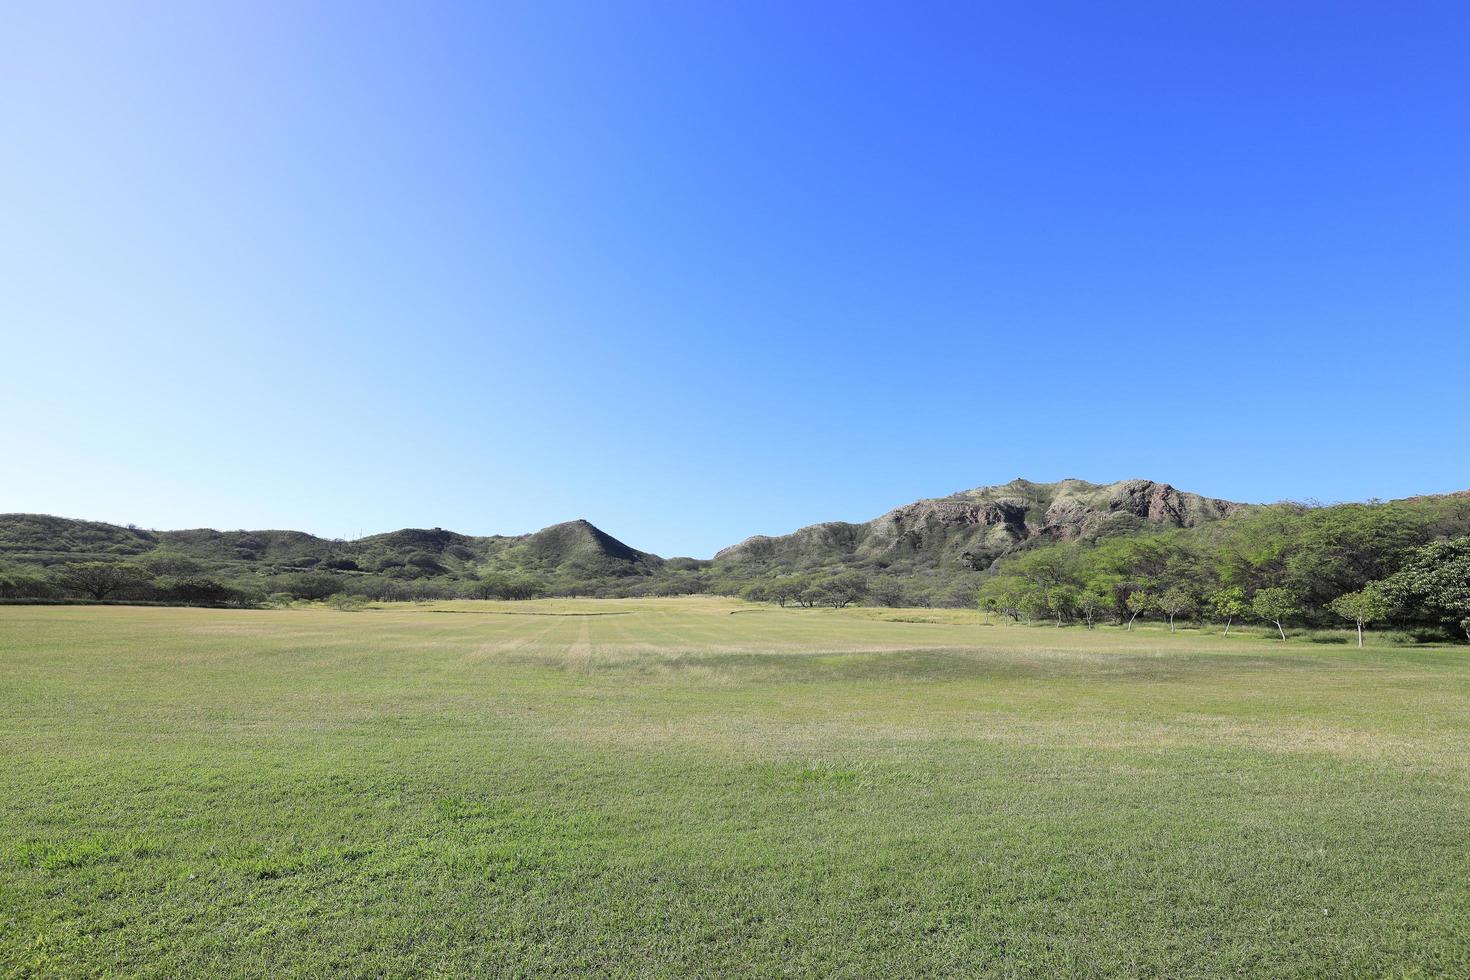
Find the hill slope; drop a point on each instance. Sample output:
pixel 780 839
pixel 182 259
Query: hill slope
pixel 969 530
pixel 929 551
pixel 575 550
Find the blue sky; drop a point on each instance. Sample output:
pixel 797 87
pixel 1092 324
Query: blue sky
pixel 696 271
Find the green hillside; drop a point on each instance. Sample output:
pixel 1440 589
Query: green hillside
pixel 1071 551
pixel 409 563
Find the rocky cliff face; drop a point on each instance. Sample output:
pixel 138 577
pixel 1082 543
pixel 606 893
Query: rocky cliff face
pixel 970 529
pixel 1160 503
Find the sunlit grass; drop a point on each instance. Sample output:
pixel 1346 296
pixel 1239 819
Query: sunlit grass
pixel 702 787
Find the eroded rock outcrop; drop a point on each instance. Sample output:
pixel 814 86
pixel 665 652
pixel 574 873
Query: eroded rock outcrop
pixel 971 528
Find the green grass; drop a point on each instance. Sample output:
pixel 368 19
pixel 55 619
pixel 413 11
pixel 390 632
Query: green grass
pixel 697 787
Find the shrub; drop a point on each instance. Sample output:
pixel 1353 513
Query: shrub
pixel 17 583
pixel 196 591
pixel 309 585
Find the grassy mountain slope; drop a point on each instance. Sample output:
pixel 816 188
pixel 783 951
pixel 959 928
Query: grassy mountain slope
pixel 575 550
pixel 1129 535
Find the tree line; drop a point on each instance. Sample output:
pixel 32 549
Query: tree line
pixel 1354 565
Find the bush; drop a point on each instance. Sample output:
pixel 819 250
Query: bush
pixel 195 591
pixel 886 592
pixel 16 583
pixel 244 596
pixel 959 594
pixel 498 585
pixel 102 580
pixel 309 585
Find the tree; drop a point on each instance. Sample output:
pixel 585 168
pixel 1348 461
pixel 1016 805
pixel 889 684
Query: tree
pixel 199 591
pixel 508 586
pixel 957 594
pixel 1274 606
pixel 812 595
pixel 1174 602
pixel 782 591
pixel 988 604
pixel 999 594
pixel 1139 604
pixel 1109 584
pixel 1367 605
pixel 99 579
pixel 1228 603
pixel 1044 567
pixel 1093 604
pixel 886 592
pixel 311 585
pixel 171 564
pixel 1031 602
pixel 755 592
pixel 1061 599
pixel 844 589
pixel 17 583
pixel 1434 584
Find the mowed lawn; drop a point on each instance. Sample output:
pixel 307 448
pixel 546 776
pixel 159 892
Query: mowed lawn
pixel 699 787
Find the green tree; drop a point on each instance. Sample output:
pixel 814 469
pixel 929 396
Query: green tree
pixel 956 594
pixel 311 585
pixel 1031 602
pixel 886 592
pixel 1109 584
pixel 507 586
pixel 807 591
pixel 197 590
pixel 844 589
pixel 1275 605
pixel 1000 594
pixel 1139 603
pixel 171 564
pixel 1228 603
pixel 1093 603
pixel 782 591
pixel 1367 605
pixel 1434 584
pixel 99 579
pixel 1062 599
pixel 1175 602
pixel 20 583
pixel 756 592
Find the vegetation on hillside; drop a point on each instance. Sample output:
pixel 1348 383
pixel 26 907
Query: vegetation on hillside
pixel 44 557
pixel 1070 552
pixel 1405 562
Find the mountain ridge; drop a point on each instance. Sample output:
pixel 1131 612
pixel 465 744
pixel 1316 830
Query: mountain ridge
pixel 432 551
pixel 974 527
pixel 1007 512
pixel 938 549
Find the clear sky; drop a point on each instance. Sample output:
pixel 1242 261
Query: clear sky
pixel 694 271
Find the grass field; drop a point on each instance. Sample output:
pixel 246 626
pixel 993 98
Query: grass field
pixel 698 787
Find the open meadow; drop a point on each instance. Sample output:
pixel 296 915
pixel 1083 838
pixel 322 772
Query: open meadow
pixel 703 787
